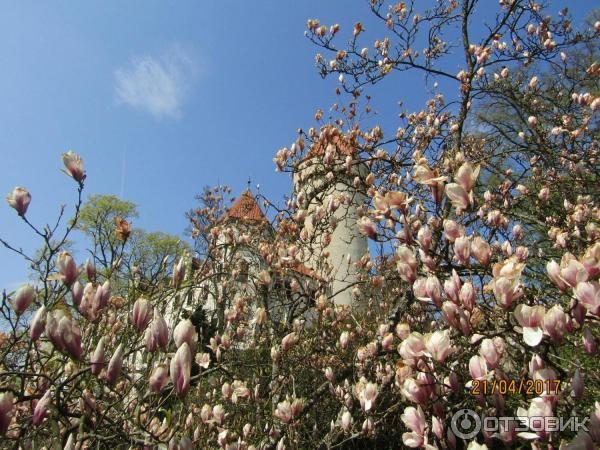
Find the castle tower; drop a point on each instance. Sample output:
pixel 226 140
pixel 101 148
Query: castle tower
pixel 324 183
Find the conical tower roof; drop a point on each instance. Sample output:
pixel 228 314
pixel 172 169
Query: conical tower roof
pixel 246 208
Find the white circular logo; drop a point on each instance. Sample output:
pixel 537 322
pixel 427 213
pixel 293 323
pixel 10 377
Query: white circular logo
pixel 465 424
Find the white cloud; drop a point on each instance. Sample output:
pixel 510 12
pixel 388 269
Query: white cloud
pixel 156 84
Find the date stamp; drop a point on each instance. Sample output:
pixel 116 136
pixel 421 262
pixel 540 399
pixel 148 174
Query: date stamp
pixel 515 387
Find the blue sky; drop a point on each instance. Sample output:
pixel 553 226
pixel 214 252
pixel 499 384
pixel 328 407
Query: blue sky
pixel 160 99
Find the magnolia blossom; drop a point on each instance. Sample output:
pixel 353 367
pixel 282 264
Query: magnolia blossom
pixel 23 298
pixel 531 319
pixel 478 368
pixel 457 196
pixel 367 396
pixel 180 369
pixel 289 341
pixel 414 391
pixel 64 334
pixel 159 377
pixel 41 408
pixel 19 199
pixel 555 321
pixel 178 272
pixel 438 345
pixel 98 358
pixel 284 411
pixel 38 323
pixel 406 264
pixel 6 411
pixel 142 314
pixel 73 166
pixel 67 268
pixel 539 409
pixel 481 250
pixel 588 293
pixel 367 227
pixel 185 332
pixel 115 365
pixel 414 419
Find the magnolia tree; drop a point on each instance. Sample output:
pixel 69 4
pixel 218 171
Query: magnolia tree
pixel 479 299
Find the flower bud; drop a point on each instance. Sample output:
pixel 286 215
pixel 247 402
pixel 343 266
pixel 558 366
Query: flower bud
pixel 67 268
pixel 98 359
pixel 23 298
pixel 141 314
pixel 38 323
pixel 19 199
pixel 186 332
pixel 181 368
pixel 159 377
pixel 77 293
pixel 41 408
pixel 73 166
pixel 115 365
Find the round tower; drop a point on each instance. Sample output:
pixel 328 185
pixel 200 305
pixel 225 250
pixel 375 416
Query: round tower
pixel 328 204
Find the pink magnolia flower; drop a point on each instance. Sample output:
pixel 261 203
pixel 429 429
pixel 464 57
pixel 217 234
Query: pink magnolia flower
pixel 181 365
pixel 38 323
pixel 6 411
pixel 588 293
pixel 406 263
pixel 41 409
pixel 23 298
pixel 462 250
pixel 289 341
pixel 414 419
pixel 185 332
pixel 346 421
pixel 141 314
pixel 412 348
pixel 553 270
pixel 453 230
pixel 555 321
pixel 158 379
pixel 98 358
pixel 73 166
pixel 284 411
pixel 457 196
pixel 367 396
pixel 467 296
pixel 572 272
pixel 466 176
pixel 531 319
pixel 77 293
pixel 115 365
pixel 539 409
pixel 367 227
pixel 19 200
pixel 481 250
pixel 452 287
pixel 438 345
pixel 178 272
pixel 67 268
pixel 414 392
pixel 64 334
pixel 157 336
pixel 90 269
pixel 478 368
pixel 490 352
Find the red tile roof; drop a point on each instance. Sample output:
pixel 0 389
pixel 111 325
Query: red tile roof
pixel 246 208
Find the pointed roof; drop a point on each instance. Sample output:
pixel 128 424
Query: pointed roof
pixel 246 208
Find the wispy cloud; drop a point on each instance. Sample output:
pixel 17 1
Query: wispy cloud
pixel 157 84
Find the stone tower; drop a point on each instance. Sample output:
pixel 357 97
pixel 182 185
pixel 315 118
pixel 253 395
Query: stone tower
pixel 324 186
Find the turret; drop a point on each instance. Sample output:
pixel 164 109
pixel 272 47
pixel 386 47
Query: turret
pixel 324 182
